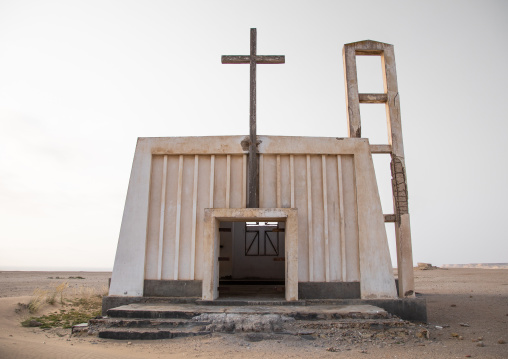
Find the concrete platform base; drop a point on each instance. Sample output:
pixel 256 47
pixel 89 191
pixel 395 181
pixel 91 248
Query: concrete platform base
pixel 414 309
pixel 188 311
pixel 111 301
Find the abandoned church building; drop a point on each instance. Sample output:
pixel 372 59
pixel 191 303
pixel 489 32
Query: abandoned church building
pixel 290 219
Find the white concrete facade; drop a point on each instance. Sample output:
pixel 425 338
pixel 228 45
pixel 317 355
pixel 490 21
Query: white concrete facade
pixel 328 182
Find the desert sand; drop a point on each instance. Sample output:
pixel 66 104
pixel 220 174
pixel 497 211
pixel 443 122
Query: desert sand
pixel 463 305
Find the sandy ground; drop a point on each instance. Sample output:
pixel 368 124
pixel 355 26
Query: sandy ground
pixel 468 303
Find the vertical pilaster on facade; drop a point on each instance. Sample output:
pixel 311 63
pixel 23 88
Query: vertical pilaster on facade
pixel 390 98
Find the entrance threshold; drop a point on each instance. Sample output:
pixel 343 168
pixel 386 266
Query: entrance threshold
pixel 259 289
pixel 250 301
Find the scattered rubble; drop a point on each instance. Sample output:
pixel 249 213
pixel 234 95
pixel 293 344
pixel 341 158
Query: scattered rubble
pixel 223 322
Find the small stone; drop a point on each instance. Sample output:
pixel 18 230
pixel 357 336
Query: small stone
pixel 307 337
pixel 332 349
pixel 461 337
pixel 306 332
pixel 468 356
pixel 480 344
pixel 424 333
pixel 439 327
pixel 455 335
pixel 254 337
pixel 464 324
pixel 453 305
pixel 129 343
pixel 501 341
pixel 34 323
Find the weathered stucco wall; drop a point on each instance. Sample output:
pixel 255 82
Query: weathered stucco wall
pixel 341 233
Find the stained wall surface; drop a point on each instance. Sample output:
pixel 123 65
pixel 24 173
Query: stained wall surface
pixel 341 234
pixel 321 186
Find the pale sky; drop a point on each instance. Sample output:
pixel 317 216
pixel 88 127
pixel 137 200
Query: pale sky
pixel 81 80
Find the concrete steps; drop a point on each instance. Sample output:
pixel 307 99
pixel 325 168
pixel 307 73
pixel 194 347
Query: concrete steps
pixel 167 321
pixel 377 324
pixel 150 333
pixel 140 325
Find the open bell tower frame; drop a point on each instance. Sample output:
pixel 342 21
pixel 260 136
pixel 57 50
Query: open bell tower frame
pixel 395 146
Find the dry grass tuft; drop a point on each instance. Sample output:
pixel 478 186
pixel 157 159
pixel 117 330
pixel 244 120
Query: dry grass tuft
pixel 57 292
pixel 37 300
pixel 60 289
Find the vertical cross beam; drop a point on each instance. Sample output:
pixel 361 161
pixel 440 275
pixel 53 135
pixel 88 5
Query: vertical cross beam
pixel 253 165
pixel 390 98
pixel 253 185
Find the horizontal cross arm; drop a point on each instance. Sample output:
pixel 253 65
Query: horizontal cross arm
pixel 273 59
pixel 245 59
pixel 235 59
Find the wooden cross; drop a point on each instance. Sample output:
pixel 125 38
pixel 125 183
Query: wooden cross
pixel 253 59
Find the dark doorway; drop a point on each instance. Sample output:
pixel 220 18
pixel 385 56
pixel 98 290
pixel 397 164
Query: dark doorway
pixel 252 260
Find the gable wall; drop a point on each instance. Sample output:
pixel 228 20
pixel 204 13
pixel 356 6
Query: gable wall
pixel 331 181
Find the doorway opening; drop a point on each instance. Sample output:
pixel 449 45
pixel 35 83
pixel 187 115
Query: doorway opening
pixel 213 219
pixel 252 259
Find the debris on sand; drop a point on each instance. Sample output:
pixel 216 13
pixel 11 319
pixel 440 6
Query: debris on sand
pixel 425 266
